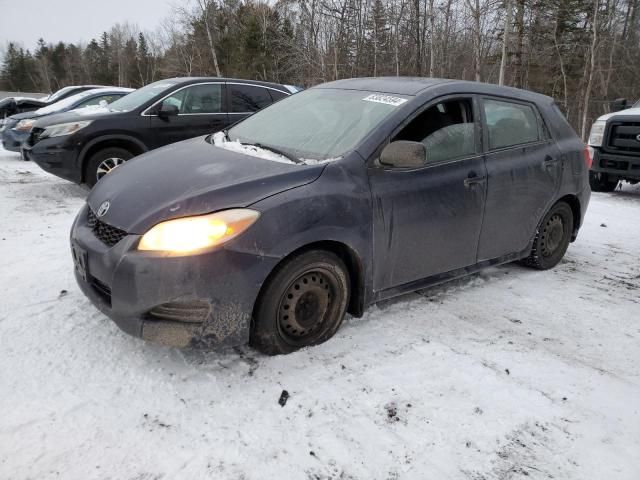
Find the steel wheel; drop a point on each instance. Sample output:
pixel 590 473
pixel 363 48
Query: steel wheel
pixel 304 306
pixel 107 166
pixel 552 236
pixel 302 303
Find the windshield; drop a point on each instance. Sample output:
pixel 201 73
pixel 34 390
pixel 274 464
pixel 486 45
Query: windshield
pixel 141 96
pixel 317 124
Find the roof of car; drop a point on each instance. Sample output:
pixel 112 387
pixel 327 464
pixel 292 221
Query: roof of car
pixel 224 79
pixel 415 85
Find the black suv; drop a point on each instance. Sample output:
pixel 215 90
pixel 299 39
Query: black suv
pixel 84 146
pixel 615 147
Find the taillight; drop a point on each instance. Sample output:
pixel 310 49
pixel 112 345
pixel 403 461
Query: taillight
pixel 588 157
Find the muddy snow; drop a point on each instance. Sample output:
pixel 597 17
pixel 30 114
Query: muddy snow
pixel 508 374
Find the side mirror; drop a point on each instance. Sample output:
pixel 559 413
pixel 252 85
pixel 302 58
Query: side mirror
pixel 168 110
pixel 404 154
pixel 619 104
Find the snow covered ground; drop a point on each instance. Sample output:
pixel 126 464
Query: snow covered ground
pixel 512 373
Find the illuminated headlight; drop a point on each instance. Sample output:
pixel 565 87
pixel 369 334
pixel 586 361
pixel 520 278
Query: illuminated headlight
pixel 25 125
pixel 193 234
pixel 597 133
pixel 62 129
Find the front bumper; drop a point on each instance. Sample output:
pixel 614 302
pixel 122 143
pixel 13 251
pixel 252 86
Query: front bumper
pixel 622 166
pixel 129 285
pixel 56 155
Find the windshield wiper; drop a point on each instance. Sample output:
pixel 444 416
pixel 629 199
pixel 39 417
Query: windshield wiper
pixel 294 159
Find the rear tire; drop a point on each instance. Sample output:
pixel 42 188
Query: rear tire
pixel 103 161
pixel 303 303
pixel 600 182
pixel 552 239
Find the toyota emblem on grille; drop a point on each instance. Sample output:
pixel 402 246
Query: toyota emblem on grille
pixel 638 138
pixel 104 208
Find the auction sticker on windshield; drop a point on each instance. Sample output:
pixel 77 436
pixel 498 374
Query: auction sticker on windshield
pixel 386 99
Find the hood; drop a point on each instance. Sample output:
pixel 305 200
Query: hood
pixel 191 178
pixel 22 116
pixel 629 112
pixel 74 116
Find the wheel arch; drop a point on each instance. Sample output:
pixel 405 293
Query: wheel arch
pixel 576 209
pixel 129 143
pixel 351 260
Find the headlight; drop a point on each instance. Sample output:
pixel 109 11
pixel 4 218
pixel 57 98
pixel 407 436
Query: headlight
pixel 193 234
pixel 25 125
pixel 64 129
pixel 597 133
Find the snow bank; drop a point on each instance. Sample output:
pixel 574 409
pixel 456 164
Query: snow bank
pixel 509 374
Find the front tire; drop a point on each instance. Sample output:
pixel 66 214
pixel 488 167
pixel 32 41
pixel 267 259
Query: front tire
pixel 552 239
pixel 303 303
pixel 103 162
pixel 600 182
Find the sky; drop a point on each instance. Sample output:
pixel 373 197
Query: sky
pixel 25 21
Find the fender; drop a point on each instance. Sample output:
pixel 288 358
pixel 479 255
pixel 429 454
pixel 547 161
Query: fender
pixel 103 138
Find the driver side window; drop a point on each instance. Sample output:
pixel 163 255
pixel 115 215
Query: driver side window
pixel 446 129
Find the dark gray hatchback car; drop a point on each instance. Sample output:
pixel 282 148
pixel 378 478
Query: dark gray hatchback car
pixel 326 202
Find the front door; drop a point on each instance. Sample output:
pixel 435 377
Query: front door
pixel 524 169
pixel 427 221
pixel 201 110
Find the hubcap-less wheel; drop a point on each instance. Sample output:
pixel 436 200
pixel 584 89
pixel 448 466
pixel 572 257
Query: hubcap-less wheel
pixel 552 235
pixel 305 304
pixel 107 166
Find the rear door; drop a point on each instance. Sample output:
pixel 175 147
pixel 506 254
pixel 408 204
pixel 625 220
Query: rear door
pixel 427 221
pixel 201 110
pixel 524 169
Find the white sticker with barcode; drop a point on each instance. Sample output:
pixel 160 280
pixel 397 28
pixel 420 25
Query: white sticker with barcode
pixel 386 99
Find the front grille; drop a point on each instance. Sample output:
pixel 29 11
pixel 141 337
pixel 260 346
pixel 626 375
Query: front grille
pixel 623 137
pixel 34 136
pixel 106 233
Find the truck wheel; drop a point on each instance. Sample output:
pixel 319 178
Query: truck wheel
pixel 552 238
pixel 103 162
pixel 600 182
pixel 303 303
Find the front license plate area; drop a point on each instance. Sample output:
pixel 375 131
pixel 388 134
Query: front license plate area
pixel 80 260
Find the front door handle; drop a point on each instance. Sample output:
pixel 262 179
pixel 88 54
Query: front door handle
pixel 473 179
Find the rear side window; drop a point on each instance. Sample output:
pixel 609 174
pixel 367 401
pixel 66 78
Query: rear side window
pixel 446 130
pixel 510 123
pixel 246 98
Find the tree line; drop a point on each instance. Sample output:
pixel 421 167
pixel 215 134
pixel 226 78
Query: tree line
pixel 583 53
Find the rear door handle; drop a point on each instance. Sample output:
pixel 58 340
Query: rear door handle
pixel 549 161
pixel 473 180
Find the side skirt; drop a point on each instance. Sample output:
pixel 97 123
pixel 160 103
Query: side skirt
pixel 446 277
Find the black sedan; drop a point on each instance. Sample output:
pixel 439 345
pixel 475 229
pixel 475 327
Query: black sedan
pixel 330 200
pixel 83 148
